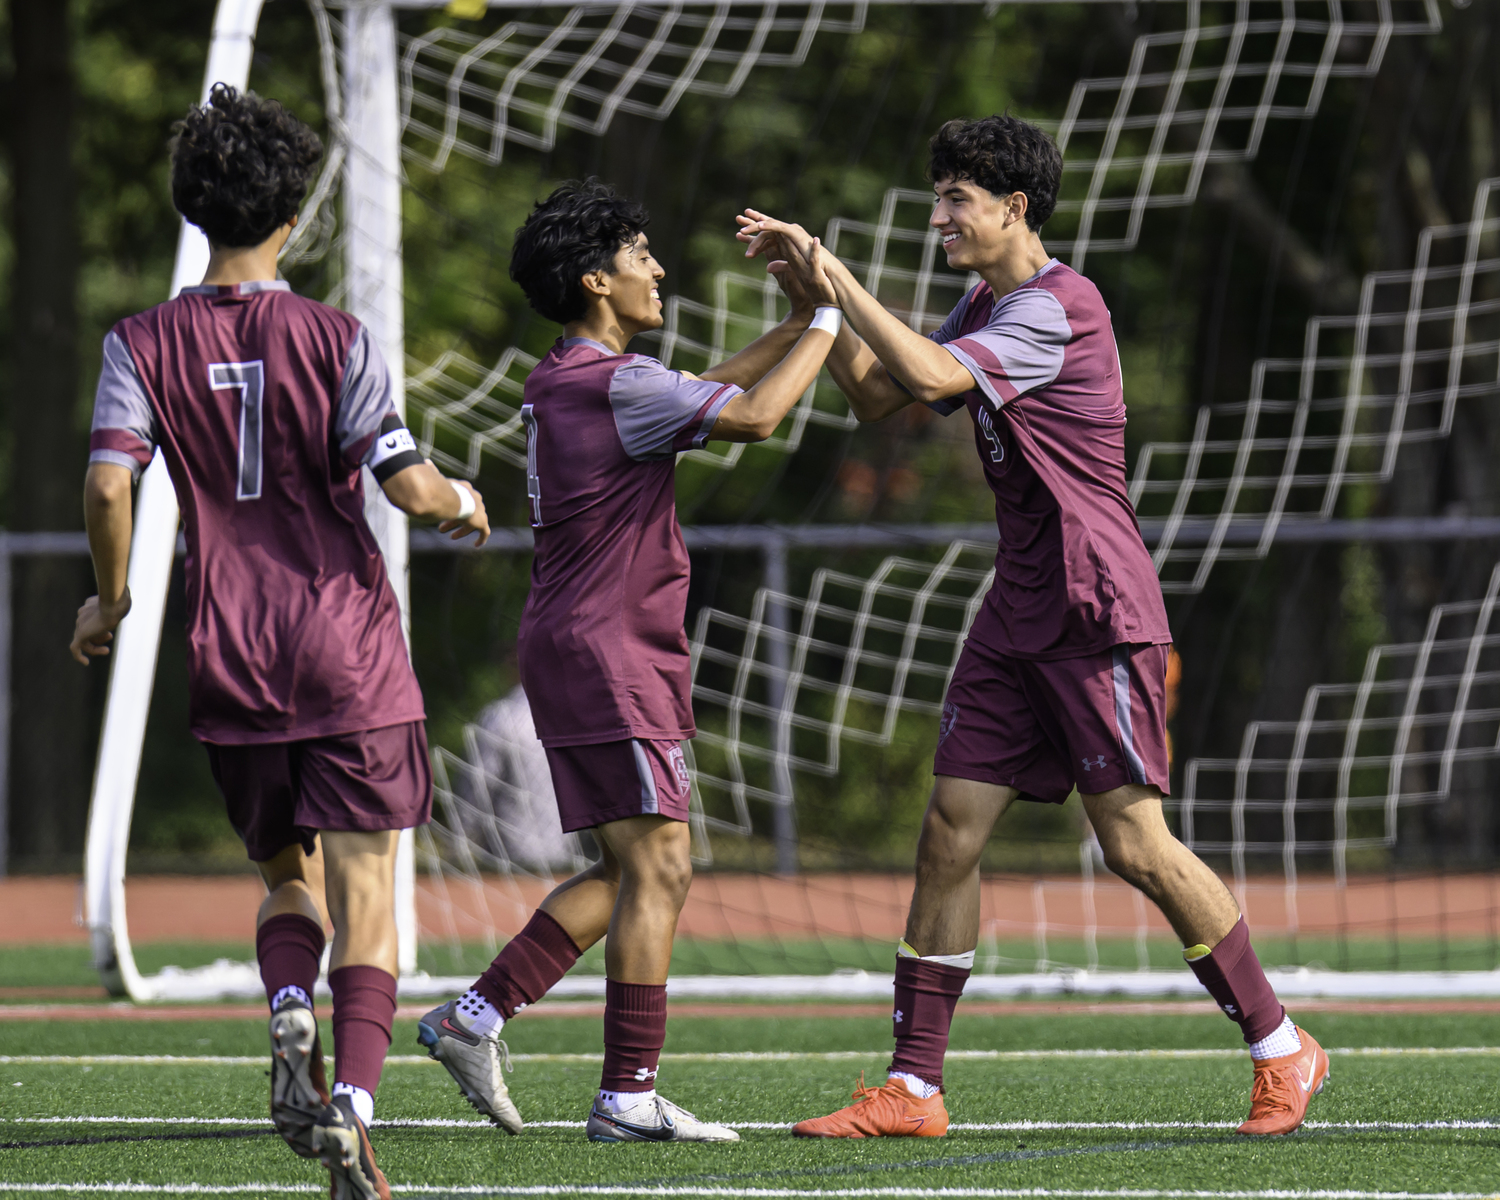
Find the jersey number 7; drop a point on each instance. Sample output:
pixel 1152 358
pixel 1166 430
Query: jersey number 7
pixel 250 379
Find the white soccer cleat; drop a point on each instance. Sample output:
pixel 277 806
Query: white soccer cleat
pixel 477 1064
pixel 654 1120
pixel 299 1088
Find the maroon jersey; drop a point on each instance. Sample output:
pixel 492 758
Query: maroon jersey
pixel 602 650
pixel 1072 575
pixel 265 405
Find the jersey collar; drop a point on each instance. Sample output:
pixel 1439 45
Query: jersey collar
pixel 249 288
pixel 569 343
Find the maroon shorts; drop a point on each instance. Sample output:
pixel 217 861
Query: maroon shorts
pixel 609 781
pixel 1097 722
pixel 282 793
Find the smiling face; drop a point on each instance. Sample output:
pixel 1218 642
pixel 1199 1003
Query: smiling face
pixel 631 284
pixel 977 226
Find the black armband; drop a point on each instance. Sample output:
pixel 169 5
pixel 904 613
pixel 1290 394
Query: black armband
pixel 394 450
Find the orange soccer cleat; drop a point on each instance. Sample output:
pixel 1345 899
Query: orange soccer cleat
pixel 1283 1086
pixel 887 1111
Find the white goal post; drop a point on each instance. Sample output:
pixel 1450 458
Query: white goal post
pixel 372 218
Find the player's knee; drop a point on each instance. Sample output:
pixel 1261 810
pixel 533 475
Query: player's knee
pixel 947 847
pixel 667 872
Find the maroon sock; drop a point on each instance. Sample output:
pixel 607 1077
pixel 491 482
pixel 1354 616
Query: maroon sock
pixel 926 995
pixel 1234 978
pixel 635 1026
pixel 364 1005
pixel 289 948
pixel 532 961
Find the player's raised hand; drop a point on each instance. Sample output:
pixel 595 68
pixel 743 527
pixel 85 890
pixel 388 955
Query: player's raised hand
pixel 95 627
pixel 477 521
pixel 805 279
pixel 761 232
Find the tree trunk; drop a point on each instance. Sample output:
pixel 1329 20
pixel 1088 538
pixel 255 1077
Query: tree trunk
pixel 50 738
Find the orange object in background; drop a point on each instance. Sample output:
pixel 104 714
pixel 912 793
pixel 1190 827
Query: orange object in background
pixel 1174 680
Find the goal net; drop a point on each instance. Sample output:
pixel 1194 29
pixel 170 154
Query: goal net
pixel 837 569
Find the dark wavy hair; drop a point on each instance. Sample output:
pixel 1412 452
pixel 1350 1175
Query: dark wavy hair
pixel 241 166
pixel 1003 154
pixel 579 228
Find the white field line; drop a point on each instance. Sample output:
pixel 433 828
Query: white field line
pixel 481 1126
pixel 208 1189
pixel 407 1060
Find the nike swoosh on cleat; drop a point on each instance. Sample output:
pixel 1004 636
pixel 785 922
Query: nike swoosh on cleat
pixel 454 1029
pixel 651 1133
pixel 919 1120
pixel 1306 1084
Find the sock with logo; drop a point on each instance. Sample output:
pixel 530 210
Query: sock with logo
pixel 528 966
pixel 364 1005
pixel 479 1014
pixel 1281 1041
pixel 618 1102
pixel 927 992
pixel 1233 976
pixel 362 1102
pixel 635 1027
pixel 289 948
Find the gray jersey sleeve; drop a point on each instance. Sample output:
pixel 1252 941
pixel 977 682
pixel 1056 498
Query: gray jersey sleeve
pixel 660 412
pixel 364 400
pixel 1021 349
pixel 124 428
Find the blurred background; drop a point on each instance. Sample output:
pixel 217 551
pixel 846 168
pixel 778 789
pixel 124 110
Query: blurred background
pixel 1248 185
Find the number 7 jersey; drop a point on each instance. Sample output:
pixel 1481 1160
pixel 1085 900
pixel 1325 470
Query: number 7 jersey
pixel 265 405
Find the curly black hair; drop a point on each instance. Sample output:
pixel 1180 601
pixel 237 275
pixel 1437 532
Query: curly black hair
pixel 1003 154
pixel 579 228
pixel 241 166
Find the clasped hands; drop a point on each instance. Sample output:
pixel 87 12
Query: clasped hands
pixel 798 260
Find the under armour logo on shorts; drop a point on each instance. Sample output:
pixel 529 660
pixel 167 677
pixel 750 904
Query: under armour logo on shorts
pixel 679 768
pixel 645 1074
pixel 949 720
pixel 1089 766
pixel 899 1015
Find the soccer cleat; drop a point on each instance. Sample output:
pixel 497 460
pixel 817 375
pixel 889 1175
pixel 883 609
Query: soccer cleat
pixel 299 1088
pixel 1283 1086
pixel 343 1146
pixel 887 1111
pixel 477 1064
pixel 655 1120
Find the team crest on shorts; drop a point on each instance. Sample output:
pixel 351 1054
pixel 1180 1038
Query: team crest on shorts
pixel 679 768
pixel 949 720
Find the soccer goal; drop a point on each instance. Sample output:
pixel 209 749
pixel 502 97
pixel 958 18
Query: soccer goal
pixel 822 651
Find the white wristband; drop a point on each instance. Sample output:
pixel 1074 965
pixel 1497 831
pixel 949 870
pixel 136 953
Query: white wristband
pixel 827 318
pixel 465 502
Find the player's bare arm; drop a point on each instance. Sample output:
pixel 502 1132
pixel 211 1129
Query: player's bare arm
pixel 928 372
pixel 750 365
pixel 107 514
pixel 422 492
pixel 753 415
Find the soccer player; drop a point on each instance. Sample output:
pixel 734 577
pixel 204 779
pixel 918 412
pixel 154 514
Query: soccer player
pixel 1061 682
pixel 603 655
pixel 266 407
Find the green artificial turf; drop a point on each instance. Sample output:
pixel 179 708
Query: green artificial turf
pixel 68 966
pixel 1392 1089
